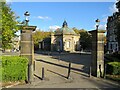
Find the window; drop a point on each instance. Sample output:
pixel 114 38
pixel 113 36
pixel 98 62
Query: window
pixel 68 44
pixel 110 46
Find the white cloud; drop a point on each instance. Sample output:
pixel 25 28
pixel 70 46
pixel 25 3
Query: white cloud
pixel 104 19
pixel 102 27
pixel 8 0
pixel 54 27
pixel 113 8
pixel 44 17
pixel 37 29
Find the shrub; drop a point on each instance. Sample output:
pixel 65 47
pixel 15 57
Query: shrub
pixel 113 68
pixel 112 58
pixel 117 55
pixel 14 68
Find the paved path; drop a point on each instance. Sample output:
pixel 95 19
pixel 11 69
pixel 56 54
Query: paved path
pixel 56 71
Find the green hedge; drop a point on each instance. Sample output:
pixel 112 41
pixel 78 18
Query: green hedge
pixel 14 68
pixel 113 68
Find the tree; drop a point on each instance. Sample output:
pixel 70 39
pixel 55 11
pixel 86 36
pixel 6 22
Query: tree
pixel 39 36
pixel 118 5
pixel 85 39
pixel 9 25
pixel 76 30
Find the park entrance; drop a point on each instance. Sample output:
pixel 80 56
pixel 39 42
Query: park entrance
pixel 94 66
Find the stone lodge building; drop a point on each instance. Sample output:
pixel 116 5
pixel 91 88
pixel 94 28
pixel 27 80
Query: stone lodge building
pixel 112 42
pixel 65 39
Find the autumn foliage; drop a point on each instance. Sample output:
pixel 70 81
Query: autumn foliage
pixel 39 35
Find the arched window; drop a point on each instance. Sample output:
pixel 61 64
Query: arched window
pixel 68 44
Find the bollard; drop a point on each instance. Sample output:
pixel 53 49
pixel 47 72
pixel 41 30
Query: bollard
pixel 59 58
pixel 34 65
pixel 42 73
pixel 59 55
pixel 48 54
pixel 100 71
pixel 69 68
pixel 105 71
pixel 90 72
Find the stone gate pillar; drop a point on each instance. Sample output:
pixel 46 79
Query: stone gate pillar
pixel 97 64
pixel 27 48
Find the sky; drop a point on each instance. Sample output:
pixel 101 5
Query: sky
pixel 51 15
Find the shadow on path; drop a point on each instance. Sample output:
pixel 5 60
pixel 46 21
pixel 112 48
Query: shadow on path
pixel 75 58
pixel 38 77
pixel 57 73
pixel 63 66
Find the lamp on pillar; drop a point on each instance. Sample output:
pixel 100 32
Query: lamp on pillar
pixel 27 14
pixel 97 23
